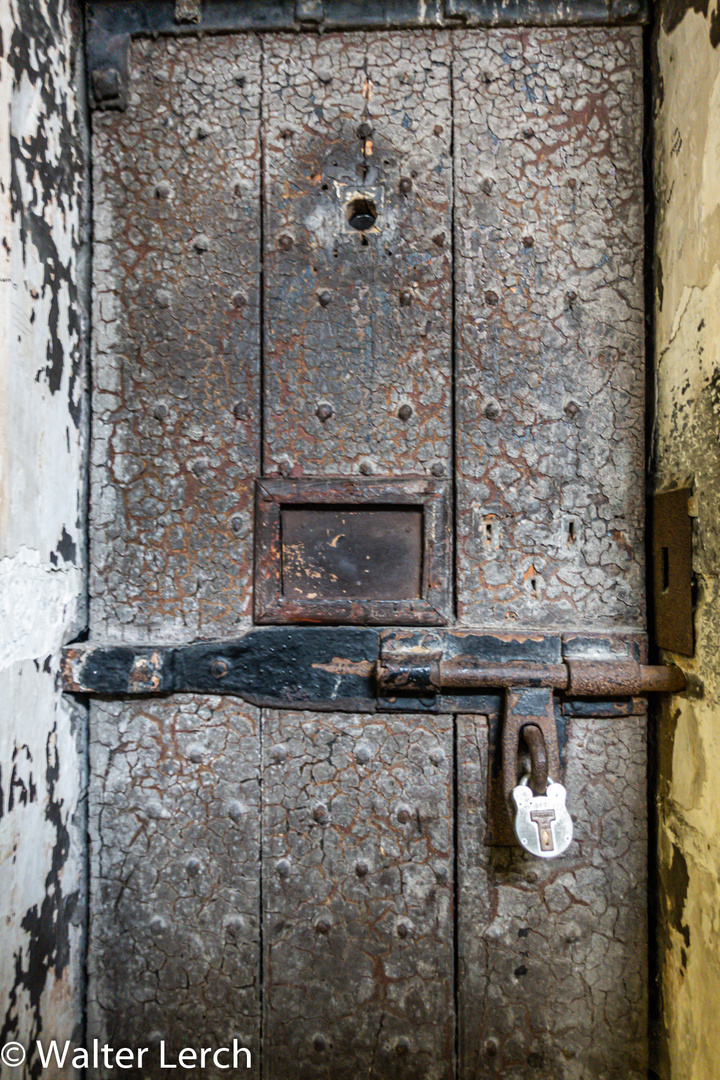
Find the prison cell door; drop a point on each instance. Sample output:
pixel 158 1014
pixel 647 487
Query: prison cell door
pixel 367 382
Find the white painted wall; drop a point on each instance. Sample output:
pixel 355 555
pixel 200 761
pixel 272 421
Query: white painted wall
pixel 42 543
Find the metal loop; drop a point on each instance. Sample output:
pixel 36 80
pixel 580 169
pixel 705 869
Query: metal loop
pixel 535 741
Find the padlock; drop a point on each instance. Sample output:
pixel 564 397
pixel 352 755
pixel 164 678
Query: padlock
pixel 542 823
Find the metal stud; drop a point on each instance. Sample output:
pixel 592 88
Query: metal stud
pixel 201 242
pixel 324 412
pixel 285 242
pixel 405 412
pixel 324 298
pixel 405 185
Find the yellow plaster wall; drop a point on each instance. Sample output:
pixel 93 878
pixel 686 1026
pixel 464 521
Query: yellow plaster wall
pixel 687 447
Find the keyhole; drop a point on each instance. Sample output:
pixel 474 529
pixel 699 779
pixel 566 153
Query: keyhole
pixel 361 214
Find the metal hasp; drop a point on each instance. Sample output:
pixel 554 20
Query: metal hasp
pixel 529 712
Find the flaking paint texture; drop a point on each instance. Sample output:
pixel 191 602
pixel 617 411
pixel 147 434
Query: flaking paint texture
pixel 42 265
pixel 687 298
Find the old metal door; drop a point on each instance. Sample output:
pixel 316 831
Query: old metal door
pixel 368 295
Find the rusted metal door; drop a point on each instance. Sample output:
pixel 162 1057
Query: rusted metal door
pixel 368 367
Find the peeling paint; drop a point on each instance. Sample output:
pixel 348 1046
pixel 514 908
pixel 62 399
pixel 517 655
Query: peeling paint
pixel 42 446
pixel 687 448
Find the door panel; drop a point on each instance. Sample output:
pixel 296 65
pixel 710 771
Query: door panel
pixel 176 357
pixel 175 877
pixel 552 966
pixel 305 881
pixel 358 872
pixel 550 331
pixel 355 321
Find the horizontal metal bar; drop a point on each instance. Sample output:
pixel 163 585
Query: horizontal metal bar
pixel 581 678
pixel 111 24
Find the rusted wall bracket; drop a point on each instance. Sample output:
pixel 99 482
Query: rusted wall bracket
pixel 111 24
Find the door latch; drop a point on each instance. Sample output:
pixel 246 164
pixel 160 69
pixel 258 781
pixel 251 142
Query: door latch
pixel 528 714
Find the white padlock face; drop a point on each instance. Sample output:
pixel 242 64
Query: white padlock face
pixel 542 823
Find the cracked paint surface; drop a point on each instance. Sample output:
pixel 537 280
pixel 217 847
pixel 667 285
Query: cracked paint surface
pixel 175 878
pixel 687 156
pixel 358 321
pixel 534 136
pixel 549 261
pixel 358 869
pixel 176 361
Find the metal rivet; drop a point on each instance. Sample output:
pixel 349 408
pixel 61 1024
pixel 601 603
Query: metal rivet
pixel 160 412
pixel 192 867
pixel 202 131
pixel 218 668
pixel 285 242
pixel 491 297
pixel 532 877
pixel 319 1042
pixel 364 131
pixel 437 469
pixel 402 930
pixel 491 1047
pixel 439 239
pixel 438 130
pixel 436 756
pixel 236 812
pixel 157 924
pixel 201 242
pixel 236 524
pixel 361 869
pixel 162 298
pixel 239 79
pixel 322 926
pixel 528 241
pixel 404 814
pixel 441 874
pixel 528 133
pixel 405 412
pixel 324 412
pixel 402 1047
pixel 106 83
pixel 324 298
pixel 362 754
pixel 320 813
pixel 239 299
pixel 283 868
pixel 572 183
pixel 405 298
pixel 405 185
pixel 486 186
pixel 572 408
pixel 196 754
pixel 162 190
pixel 240 410
pixel 492 410
pixel 366 468
pixel 279 754
pixel 571 297
pixel 285 466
